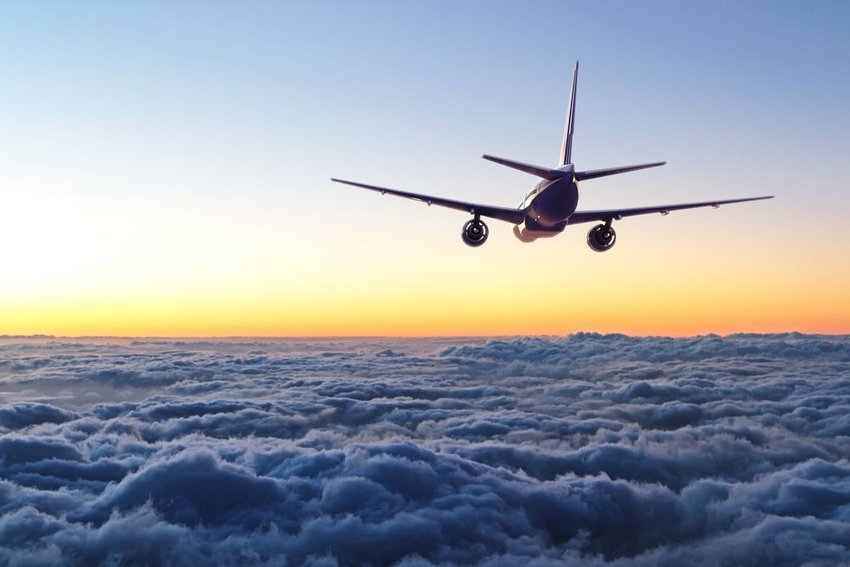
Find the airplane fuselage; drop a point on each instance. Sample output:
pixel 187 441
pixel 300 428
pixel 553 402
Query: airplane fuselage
pixel 547 208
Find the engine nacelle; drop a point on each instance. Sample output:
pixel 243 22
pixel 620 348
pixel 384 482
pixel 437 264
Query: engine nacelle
pixel 601 237
pixel 475 232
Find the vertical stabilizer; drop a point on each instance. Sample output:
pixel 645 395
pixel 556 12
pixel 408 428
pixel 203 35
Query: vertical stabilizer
pixel 567 144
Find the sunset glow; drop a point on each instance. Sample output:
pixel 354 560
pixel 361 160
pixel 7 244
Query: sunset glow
pixel 179 186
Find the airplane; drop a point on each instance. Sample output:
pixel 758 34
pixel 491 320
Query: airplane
pixel 550 206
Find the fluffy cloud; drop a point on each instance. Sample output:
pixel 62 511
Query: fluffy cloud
pixel 601 450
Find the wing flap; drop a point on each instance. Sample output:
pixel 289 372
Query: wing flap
pixel 616 214
pixel 514 216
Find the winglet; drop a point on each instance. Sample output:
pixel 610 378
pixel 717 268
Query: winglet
pixel 569 126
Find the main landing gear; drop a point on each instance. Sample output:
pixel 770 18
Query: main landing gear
pixel 475 232
pixel 601 237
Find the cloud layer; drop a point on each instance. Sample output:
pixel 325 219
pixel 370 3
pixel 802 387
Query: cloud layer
pixel 601 450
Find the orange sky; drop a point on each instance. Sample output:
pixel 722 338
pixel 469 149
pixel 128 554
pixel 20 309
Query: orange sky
pixel 639 290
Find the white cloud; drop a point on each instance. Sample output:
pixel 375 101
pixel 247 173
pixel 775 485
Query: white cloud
pixel 599 449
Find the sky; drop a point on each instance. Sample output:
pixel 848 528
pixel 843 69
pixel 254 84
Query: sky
pixel 164 166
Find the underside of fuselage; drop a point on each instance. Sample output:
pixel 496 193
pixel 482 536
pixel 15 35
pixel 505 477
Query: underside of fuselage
pixel 524 233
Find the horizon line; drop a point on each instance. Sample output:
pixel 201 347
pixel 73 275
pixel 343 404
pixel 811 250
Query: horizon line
pixel 36 336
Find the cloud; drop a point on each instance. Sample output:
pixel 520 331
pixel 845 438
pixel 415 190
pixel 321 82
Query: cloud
pixel 592 449
pixel 17 416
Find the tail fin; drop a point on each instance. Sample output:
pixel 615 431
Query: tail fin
pixel 567 144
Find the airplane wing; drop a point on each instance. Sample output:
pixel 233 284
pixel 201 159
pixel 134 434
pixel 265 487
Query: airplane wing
pixel 617 214
pixel 514 216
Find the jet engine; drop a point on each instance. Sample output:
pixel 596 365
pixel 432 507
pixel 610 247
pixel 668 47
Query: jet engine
pixel 475 232
pixel 601 237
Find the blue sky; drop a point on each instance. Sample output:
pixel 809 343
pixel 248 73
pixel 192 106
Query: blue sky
pixel 163 148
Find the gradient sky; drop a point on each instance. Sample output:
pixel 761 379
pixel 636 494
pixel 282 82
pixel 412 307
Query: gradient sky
pixel 164 166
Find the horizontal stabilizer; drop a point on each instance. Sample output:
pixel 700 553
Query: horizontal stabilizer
pixel 544 172
pixel 582 175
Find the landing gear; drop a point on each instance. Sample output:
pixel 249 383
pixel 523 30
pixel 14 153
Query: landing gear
pixel 601 237
pixel 475 232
